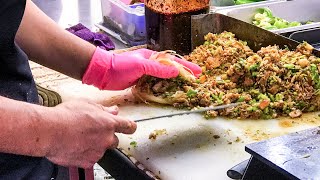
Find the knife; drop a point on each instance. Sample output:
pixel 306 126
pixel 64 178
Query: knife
pixel 189 112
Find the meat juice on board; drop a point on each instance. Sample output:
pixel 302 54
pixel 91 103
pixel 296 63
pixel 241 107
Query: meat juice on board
pixel 168 23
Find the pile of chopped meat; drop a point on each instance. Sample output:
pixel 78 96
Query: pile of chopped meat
pixel 271 82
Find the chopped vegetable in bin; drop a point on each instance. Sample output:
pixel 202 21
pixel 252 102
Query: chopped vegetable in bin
pixel 266 20
pixel 232 2
pixel 238 2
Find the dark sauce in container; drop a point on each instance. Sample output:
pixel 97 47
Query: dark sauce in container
pixel 170 30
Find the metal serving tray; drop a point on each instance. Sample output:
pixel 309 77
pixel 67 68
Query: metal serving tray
pixel 312 36
pixel 295 10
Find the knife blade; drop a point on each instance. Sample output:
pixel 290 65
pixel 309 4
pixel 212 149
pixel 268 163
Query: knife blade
pixel 189 112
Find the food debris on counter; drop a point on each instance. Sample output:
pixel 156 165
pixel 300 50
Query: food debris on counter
pixel 286 123
pixel 228 131
pixel 133 144
pixel 238 139
pixel 306 156
pixel 153 135
pixel 258 134
pixel 306 118
pixel 216 136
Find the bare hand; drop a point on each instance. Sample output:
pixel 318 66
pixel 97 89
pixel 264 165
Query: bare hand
pixel 84 130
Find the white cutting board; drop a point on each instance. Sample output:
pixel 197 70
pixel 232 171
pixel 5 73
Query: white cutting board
pixel 189 150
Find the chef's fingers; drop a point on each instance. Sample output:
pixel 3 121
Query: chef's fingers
pixel 115 142
pixel 124 125
pixel 140 53
pixel 112 109
pixel 193 67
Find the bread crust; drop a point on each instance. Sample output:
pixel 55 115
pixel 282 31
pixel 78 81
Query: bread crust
pixel 166 58
pixel 145 97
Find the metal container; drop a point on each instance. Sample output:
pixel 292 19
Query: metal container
pixel 225 4
pixel 124 22
pixel 296 10
pixel 312 36
pixel 168 25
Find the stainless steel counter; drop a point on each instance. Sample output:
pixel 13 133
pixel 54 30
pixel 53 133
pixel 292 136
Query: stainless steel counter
pixel 70 12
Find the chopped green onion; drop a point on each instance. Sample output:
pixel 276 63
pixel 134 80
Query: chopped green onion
pixel 289 66
pixel 315 75
pixel 279 97
pixel 133 143
pixel 254 67
pixel 241 99
pixel 262 97
pixel 191 93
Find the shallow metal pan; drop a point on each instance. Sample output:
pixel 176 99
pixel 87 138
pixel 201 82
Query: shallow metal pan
pixel 312 36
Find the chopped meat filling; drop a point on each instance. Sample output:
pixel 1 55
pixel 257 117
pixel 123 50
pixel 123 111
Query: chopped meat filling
pixel 271 82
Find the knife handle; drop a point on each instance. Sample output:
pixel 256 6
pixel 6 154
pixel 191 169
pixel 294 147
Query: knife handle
pixel 120 167
pixel 237 171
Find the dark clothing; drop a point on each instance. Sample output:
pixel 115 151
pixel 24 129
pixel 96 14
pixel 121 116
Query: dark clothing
pixel 16 82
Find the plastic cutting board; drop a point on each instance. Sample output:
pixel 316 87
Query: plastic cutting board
pixel 192 147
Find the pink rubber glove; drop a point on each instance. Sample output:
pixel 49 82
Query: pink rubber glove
pixel 110 71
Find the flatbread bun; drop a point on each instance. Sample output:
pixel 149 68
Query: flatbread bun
pixel 166 58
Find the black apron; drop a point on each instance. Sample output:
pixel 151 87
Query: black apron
pixel 16 82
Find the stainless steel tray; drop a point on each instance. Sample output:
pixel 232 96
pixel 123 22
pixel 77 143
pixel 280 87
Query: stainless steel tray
pixel 295 10
pixel 312 36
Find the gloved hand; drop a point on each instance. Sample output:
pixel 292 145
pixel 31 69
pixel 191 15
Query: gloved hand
pixel 110 71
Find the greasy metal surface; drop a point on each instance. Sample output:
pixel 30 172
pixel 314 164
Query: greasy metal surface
pixel 297 10
pixel 256 37
pixel 258 170
pixel 295 155
pixel 312 36
pixel 237 171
